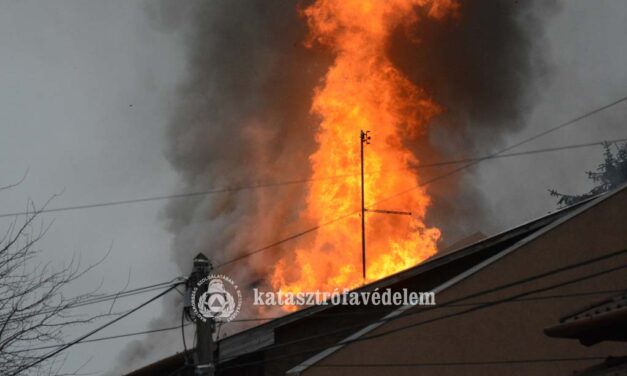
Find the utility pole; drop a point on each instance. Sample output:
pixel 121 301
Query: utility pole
pixel 204 362
pixel 365 139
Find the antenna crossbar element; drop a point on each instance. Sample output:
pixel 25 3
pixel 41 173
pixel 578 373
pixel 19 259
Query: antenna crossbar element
pixel 388 211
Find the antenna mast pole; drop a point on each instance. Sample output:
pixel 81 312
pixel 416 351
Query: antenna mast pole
pixel 365 139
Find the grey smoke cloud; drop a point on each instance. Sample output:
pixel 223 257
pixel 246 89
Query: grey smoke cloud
pixel 243 113
pixel 485 69
pixel 242 116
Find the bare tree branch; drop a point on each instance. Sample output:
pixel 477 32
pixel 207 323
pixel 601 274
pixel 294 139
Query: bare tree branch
pixel 34 310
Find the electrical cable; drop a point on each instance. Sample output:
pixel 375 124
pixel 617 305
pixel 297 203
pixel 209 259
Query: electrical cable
pixel 391 331
pixel 387 310
pixel 100 339
pixel 185 353
pixel 304 181
pixel 464 364
pixel 90 333
pixel 470 296
pixel 96 300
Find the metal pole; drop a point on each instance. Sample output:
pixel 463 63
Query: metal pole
pixel 363 138
pixel 204 348
pixel 204 329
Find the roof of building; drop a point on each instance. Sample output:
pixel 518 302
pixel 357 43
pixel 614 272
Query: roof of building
pixel 530 231
pixel 439 272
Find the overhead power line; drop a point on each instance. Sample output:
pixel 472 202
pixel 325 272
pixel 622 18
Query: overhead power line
pixel 90 333
pixel 284 240
pixel 96 300
pixel 465 298
pixel 564 124
pixel 487 305
pixel 178 327
pixel 99 339
pixel 522 153
pixel 458 364
pixel 386 310
pixel 304 181
pixel 507 148
pixel 405 327
pixel 106 338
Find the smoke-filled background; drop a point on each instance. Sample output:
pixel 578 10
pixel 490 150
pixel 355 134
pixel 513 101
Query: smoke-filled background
pixel 149 98
pixel 243 115
pixel 243 118
pixel 487 69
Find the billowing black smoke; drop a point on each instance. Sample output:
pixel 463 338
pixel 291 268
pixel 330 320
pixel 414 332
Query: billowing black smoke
pixel 242 118
pixel 485 69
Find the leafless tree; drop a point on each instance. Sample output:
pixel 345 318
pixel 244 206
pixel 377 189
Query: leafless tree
pixel 34 308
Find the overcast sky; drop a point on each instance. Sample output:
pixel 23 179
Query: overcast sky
pixel 84 93
pixel 86 89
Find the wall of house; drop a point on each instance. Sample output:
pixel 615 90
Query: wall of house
pixel 508 331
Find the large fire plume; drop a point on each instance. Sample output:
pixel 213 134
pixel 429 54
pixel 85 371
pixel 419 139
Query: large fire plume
pixel 363 90
pixel 240 116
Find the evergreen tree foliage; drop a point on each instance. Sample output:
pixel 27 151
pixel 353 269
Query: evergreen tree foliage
pixel 610 174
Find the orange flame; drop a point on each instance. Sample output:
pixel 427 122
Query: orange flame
pixel 363 90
